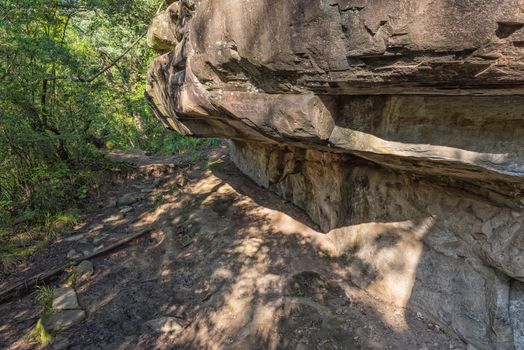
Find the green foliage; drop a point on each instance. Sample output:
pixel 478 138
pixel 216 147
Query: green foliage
pixel 44 297
pixel 72 278
pixel 50 120
pixel 58 106
pixel 19 242
pixel 172 143
pixel 211 163
pixel 160 198
pixel 39 334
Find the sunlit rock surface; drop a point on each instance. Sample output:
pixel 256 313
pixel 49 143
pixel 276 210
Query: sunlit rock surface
pixel 398 126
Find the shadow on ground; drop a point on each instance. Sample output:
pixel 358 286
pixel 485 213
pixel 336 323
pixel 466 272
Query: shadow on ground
pixel 232 264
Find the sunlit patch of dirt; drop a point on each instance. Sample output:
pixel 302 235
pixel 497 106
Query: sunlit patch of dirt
pixel 232 264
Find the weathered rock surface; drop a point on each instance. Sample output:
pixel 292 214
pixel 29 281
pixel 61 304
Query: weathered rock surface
pixel 65 299
pixel 64 319
pixel 65 312
pixel 411 241
pixel 397 126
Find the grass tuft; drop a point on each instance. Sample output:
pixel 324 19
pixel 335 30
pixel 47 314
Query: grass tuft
pixel 44 297
pixel 72 278
pixel 39 334
pixel 17 243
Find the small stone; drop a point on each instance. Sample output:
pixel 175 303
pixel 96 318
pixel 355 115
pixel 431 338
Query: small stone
pixel 516 214
pixel 72 254
pixel 165 325
pixel 129 199
pixel 65 299
pixel 126 210
pixel 84 270
pixel 419 315
pixel 74 238
pixel 63 319
pixel 99 238
pixel 471 347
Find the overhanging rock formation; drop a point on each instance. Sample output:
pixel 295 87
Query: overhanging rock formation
pixel 398 126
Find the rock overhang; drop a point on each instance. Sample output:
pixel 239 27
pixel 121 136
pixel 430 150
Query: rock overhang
pixel 438 83
pixel 330 103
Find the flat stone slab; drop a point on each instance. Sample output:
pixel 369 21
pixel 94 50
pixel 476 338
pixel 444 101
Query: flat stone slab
pixel 63 319
pixel 65 299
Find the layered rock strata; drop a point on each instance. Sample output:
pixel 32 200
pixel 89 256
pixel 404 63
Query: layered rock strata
pixel 398 126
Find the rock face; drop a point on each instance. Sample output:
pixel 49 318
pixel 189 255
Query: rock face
pixel 398 126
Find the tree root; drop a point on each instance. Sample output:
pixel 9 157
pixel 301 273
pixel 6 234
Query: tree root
pixel 24 287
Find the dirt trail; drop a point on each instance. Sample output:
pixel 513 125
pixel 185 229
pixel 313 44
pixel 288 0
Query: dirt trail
pixel 232 264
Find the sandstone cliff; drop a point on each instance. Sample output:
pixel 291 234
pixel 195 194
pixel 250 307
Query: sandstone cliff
pixel 398 126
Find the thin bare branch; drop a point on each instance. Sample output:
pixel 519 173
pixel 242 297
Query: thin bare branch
pixel 103 70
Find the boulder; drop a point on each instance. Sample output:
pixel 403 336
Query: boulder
pixel 397 126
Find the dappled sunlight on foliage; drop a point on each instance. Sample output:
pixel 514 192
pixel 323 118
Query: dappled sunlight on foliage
pixel 72 80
